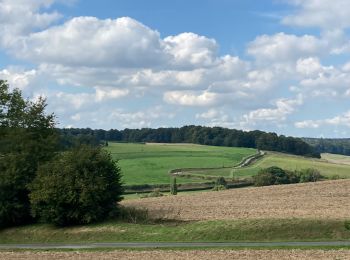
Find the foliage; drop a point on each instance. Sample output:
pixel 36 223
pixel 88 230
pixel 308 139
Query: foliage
pixel 133 215
pixel 310 175
pixel 78 187
pixel 219 187
pixel 216 136
pixel 327 145
pixel 274 176
pixel 27 139
pixel 221 181
pixel 155 193
pixel 173 186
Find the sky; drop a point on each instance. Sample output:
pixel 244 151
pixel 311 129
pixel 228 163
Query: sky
pixel 275 65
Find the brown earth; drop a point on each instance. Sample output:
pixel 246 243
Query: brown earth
pixel 320 200
pixel 192 254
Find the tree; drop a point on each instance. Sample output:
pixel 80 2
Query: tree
pixel 27 139
pixel 173 186
pixel 77 187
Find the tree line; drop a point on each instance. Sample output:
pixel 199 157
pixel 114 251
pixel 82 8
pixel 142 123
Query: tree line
pixel 216 136
pixel 328 145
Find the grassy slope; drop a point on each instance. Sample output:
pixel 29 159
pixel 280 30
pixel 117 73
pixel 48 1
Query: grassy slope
pixel 336 158
pixel 240 230
pixel 149 164
pixel 289 162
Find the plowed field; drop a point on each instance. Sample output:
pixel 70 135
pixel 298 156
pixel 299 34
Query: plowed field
pixel 193 254
pixel 320 200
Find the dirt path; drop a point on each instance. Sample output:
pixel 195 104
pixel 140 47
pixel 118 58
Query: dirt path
pixel 184 254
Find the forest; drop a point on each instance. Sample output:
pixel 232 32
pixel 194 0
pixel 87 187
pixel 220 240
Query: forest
pixel 328 145
pixel 216 136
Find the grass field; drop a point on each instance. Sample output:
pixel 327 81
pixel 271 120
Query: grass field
pixel 329 165
pixel 336 158
pixel 219 231
pixel 150 163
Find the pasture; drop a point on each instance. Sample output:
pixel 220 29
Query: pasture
pixel 150 163
pixel 329 166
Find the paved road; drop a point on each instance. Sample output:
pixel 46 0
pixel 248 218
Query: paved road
pixel 172 245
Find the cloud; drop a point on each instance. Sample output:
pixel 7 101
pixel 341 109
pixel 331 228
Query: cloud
pixel 123 73
pixel 190 98
pixel 20 17
pixel 283 47
pixel 283 108
pixel 18 78
pixel 319 13
pixel 191 50
pixel 341 120
pixel 90 42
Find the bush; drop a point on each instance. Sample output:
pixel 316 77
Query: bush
pixel 78 187
pixel 133 215
pixel 274 176
pixel 155 193
pixel 221 182
pixel 173 186
pixel 310 175
pixel 219 187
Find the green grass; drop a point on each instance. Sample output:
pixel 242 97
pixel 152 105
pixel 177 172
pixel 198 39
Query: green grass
pixel 219 231
pixel 285 161
pixel 150 163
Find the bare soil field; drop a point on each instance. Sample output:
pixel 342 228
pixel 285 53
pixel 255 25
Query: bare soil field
pixel 320 200
pixel 193 254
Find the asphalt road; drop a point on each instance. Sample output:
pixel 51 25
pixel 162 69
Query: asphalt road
pixel 172 245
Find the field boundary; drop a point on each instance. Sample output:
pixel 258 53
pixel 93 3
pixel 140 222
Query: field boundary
pixel 245 162
pixel 176 245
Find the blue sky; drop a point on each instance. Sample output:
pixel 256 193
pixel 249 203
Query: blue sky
pixel 278 65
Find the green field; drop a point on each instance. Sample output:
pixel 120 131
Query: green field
pixel 150 163
pixel 288 162
pixel 219 231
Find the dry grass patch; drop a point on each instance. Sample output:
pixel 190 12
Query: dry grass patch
pixel 320 200
pixel 186 254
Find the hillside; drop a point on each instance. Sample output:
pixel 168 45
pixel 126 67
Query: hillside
pixel 330 168
pixel 150 163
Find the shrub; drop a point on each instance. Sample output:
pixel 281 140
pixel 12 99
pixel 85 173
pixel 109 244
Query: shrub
pixel 173 186
pixel 155 193
pixel 221 182
pixel 274 176
pixel 78 187
pixel 219 187
pixel 133 215
pixel 310 175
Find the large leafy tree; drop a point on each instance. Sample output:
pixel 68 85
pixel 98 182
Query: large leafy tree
pixel 77 187
pixel 27 139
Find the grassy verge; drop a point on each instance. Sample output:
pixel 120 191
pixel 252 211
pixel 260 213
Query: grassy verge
pixel 219 231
